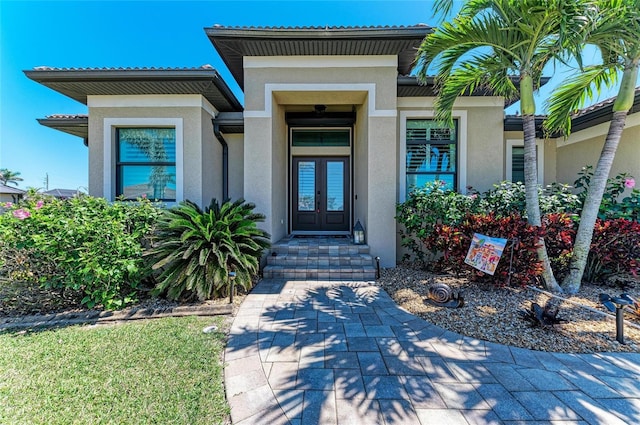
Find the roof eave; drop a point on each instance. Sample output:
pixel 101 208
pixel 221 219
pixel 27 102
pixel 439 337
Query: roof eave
pixel 412 81
pixel 76 126
pixel 312 33
pixel 602 114
pixel 233 44
pixel 122 74
pixel 46 75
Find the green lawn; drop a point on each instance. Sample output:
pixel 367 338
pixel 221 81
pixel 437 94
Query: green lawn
pixel 163 371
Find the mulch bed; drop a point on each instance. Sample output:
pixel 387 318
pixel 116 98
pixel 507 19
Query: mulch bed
pixel 492 314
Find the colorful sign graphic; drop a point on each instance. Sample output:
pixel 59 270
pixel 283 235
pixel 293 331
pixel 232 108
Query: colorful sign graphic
pixel 485 252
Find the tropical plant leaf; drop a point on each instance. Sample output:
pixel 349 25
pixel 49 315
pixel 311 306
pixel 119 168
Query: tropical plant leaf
pixel 196 249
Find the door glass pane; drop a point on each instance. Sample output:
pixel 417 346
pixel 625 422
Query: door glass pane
pixel 306 185
pixel 335 186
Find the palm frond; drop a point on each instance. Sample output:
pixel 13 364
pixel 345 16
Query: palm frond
pixel 568 98
pixel 197 248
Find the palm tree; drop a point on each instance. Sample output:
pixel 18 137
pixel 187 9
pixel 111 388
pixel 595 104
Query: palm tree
pixel 617 35
pixel 10 177
pixel 503 46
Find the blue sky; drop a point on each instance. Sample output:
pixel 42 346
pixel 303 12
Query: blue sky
pixel 128 34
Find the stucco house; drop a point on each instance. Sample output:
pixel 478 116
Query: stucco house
pixel 10 194
pixel 333 130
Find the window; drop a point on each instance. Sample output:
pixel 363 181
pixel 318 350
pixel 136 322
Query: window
pixel 322 137
pixel 517 164
pixel 515 161
pixel 146 163
pixel 431 153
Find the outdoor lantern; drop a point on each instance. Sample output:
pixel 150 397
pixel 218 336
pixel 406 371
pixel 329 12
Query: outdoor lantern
pixel 358 234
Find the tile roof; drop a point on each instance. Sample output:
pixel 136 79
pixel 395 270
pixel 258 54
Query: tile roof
pixel 63 193
pixel 590 116
pixel 67 116
pixel 319 27
pixel 11 190
pixel 75 124
pixel 52 68
pixel 78 83
pixel 603 104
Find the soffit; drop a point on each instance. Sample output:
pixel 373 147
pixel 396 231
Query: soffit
pixel 77 125
pixel 230 122
pixel 588 117
pixel 80 83
pixel 409 86
pixel 320 97
pixel 234 43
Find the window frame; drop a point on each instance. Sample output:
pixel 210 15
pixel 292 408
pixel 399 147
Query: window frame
pixel 511 143
pixel 110 151
pixel 460 115
pixel 120 163
pixel 437 142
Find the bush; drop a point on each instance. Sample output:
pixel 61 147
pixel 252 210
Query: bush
pixel 615 248
pixel 429 206
pixel 197 249
pixel 424 209
pixel 454 242
pixel 83 244
pixel 508 198
pixel 612 206
pixel 559 235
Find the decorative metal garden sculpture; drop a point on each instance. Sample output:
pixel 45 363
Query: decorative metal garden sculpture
pixel 545 317
pixel 441 295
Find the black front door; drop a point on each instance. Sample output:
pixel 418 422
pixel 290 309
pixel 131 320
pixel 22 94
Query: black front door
pixel 320 194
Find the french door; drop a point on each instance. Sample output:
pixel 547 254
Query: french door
pixel 320 194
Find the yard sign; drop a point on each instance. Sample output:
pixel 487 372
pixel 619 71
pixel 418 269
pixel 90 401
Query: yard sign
pixel 485 252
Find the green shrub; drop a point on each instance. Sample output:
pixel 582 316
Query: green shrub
pixel 424 209
pixel 615 248
pixel 508 198
pixel 454 242
pixel 612 206
pixel 197 249
pixel 504 199
pixel 84 244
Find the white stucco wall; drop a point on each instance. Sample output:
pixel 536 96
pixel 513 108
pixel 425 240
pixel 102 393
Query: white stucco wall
pixel 196 161
pixel 276 85
pixel 584 148
pixel 236 165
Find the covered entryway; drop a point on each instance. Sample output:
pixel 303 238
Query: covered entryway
pixel 320 176
pixel 320 194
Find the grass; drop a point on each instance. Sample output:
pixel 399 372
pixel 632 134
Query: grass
pixel 163 371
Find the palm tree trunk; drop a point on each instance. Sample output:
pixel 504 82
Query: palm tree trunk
pixel 597 186
pixel 532 201
pixel 528 109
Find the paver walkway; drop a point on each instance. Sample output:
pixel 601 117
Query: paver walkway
pixel 344 353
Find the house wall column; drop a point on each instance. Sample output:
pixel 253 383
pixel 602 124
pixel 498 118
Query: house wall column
pixel 382 177
pixel 258 177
